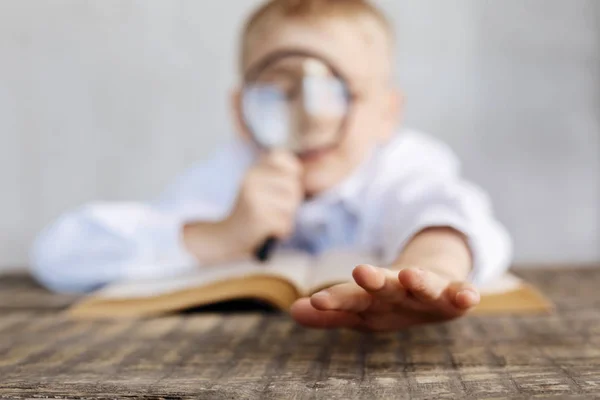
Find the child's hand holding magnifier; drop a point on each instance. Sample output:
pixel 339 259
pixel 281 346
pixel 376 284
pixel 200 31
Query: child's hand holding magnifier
pixel 266 205
pixel 295 106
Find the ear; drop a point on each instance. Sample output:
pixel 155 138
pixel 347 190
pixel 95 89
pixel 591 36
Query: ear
pixel 237 113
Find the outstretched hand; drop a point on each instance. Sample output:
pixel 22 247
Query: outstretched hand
pixel 380 300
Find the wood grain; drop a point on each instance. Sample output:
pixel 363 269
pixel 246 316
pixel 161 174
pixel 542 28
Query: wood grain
pixel 20 292
pixel 255 356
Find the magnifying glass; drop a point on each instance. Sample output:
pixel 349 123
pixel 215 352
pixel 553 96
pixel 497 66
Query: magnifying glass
pixel 295 101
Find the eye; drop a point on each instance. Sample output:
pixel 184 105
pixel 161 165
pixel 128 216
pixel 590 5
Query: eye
pixel 354 95
pixel 291 92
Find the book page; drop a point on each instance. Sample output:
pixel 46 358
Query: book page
pixel 292 266
pixel 501 284
pixel 335 266
pixel 509 294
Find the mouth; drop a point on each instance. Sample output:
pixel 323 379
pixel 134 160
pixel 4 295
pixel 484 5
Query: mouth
pixel 313 155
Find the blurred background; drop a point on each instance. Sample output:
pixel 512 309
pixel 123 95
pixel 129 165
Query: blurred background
pixel 110 99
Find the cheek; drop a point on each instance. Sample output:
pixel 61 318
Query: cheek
pixel 373 121
pixel 361 134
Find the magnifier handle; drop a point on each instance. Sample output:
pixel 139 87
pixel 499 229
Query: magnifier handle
pixel 264 251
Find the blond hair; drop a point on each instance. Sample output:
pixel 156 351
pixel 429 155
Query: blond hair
pixel 274 11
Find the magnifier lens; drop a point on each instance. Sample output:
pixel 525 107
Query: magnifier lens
pixel 267 113
pixel 297 103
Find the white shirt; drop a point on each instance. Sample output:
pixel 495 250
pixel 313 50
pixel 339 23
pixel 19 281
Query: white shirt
pixel 411 183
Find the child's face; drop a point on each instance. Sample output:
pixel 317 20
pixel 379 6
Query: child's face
pixel 364 59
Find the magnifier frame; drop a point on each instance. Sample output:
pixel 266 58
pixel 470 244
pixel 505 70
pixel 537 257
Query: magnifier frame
pixel 260 66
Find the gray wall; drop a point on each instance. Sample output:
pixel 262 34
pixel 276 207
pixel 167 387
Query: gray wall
pixel 109 99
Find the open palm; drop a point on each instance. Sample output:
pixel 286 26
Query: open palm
pixel 380 299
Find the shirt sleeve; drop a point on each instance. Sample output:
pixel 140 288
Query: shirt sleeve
pixel 437 196
pixel 100 243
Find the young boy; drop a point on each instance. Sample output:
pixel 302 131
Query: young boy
pixel 397 194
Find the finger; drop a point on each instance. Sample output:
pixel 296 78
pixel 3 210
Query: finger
pixel 278 207
pixel 275 184
pixel 283 161
pixel 424 285
pixel 273 195
pixel 305 314
pixel 462 295
pixel 343 297
pixel 382 283
pixel 278 218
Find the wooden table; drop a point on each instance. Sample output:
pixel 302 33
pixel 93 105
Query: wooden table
pixel 252 356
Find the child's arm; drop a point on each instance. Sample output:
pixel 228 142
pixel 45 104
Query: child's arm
pixel 103 242
pixel 439 234
pixel 426 284
pixel 216 212
pixel 266 204
pixel 444 251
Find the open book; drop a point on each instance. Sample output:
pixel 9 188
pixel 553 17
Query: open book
pixel 279 282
